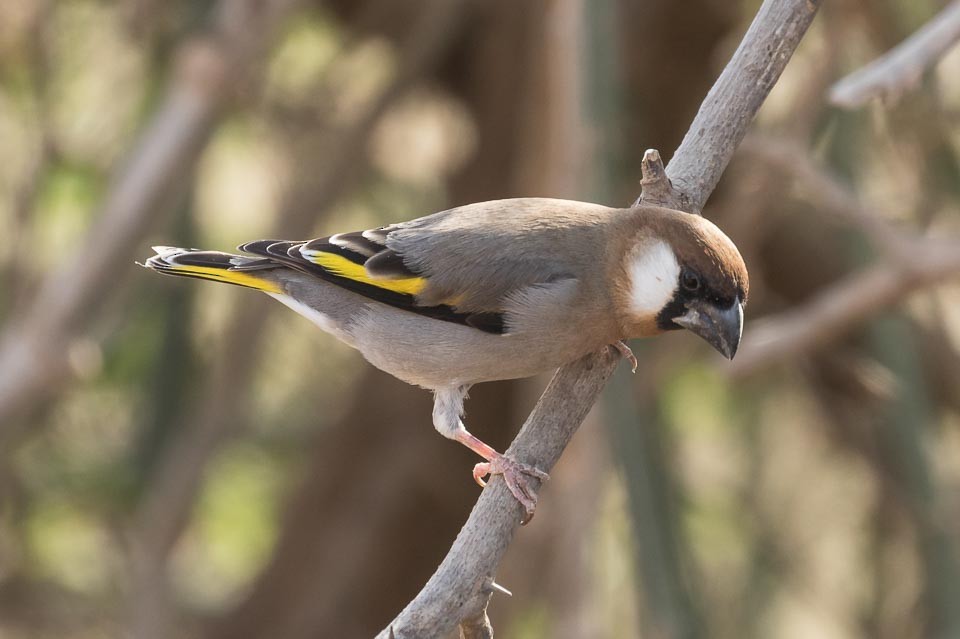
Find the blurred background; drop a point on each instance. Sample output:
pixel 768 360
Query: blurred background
pixel 182 459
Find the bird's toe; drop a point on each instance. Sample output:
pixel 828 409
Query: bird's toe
pixel 518 477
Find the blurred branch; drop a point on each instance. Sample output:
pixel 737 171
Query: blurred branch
pixel 325 186
pixel 670 606
pixel 25 197
pixel 24 201
pixel 165 509
pixel 35 347
pixel 900 69
pixel 455 592
pixel 903 430
pixel 845 304
pixel 795 161
pixel 911 263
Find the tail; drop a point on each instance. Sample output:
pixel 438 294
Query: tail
pixel 216 266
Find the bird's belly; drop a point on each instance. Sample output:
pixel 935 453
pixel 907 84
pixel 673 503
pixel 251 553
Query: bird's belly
pixel 428 352
pixel 435 354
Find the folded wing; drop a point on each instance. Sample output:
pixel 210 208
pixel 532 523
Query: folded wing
pixel 471 265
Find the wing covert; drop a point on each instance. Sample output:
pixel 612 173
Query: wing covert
pixel 342 260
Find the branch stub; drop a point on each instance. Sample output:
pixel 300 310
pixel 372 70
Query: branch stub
pixel 656 186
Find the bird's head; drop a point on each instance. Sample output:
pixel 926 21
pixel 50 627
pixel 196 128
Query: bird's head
pixel 682 271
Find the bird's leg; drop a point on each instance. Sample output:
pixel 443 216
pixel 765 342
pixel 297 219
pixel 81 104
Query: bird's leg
pixel 447 409
pixel 626 353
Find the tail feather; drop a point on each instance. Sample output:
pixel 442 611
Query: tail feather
pixel 214 266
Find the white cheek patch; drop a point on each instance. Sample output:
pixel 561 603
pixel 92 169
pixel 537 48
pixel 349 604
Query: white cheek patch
pixel 654 273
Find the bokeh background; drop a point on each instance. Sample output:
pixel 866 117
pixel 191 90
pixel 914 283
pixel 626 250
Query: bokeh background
pixel 183 459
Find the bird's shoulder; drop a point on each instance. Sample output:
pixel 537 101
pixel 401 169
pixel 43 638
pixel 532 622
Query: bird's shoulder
pixel 482 253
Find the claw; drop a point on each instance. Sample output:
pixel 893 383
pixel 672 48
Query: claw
pixel 480 471
pixel 517 477
pixel 626 353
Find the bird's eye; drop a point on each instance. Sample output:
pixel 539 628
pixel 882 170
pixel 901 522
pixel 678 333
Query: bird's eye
pixel 690 281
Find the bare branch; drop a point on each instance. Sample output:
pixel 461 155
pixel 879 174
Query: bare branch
pixel 844 305
pixel 719 126
pixel 900 69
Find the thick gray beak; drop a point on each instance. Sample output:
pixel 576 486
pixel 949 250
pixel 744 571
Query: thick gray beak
pixel 721 328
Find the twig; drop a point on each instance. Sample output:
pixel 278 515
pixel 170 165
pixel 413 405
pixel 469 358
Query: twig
pixel 657 189
pixel 900 69
pixel 719 126
pixel 845 304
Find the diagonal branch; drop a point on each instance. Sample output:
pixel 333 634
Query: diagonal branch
pixel 458 589
pixel 900 69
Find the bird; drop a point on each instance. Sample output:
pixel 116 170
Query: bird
pixel 497 290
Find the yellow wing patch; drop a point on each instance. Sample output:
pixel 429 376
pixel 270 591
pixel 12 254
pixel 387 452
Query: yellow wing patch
pixel 223 275
pixel 342 267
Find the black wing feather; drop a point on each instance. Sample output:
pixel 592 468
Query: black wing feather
pixel 388 263
pixel 355 242
pixel 369 249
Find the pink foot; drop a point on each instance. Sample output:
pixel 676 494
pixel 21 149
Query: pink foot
pixel 517 476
